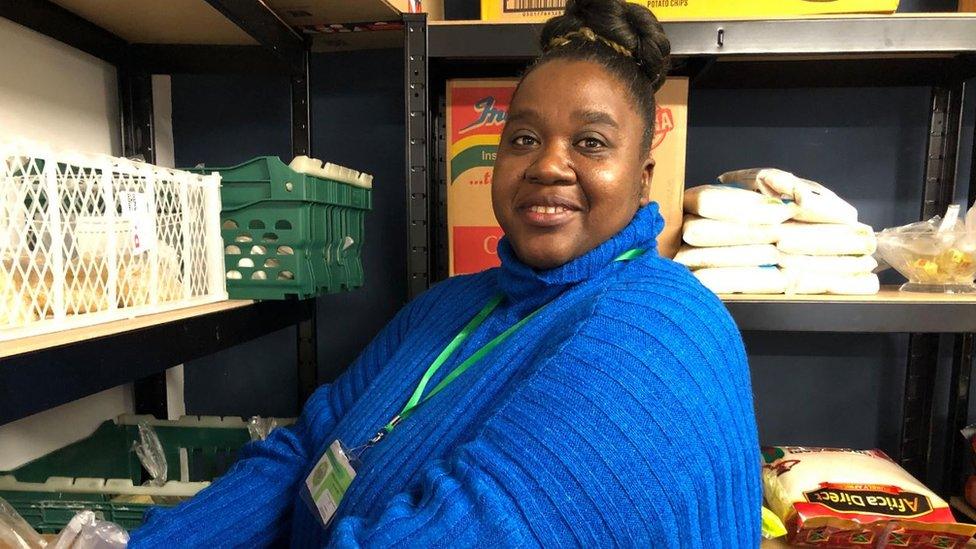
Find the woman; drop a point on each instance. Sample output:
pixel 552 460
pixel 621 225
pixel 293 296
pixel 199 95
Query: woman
pixel 587 392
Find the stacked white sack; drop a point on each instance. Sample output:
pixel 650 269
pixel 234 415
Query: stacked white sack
pixel 823 249
pixel 731 229
pixel 743 280
pixel 729 237
pixel 820 258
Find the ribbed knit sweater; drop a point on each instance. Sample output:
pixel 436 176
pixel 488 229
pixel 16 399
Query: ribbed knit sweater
pixel 621 415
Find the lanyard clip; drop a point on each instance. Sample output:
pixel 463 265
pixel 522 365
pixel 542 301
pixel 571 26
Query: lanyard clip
pixel 376 438
pixel 381 434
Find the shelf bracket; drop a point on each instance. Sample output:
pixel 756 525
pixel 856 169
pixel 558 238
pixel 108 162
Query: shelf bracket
pixel 136 109
pixel 138 141
pixel 301 118
pixel 956 447
pixel 964 349
pixel 261 23
pixel 917 441
pixel 301 144
pixel 418 157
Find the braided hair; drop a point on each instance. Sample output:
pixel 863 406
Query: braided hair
pixel 624 38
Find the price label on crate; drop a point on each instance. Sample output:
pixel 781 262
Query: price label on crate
pixel 135 208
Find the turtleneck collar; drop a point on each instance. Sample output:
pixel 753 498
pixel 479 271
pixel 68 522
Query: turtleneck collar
pixel 527 287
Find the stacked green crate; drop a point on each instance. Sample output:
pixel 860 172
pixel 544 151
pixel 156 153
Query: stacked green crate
pixel 103 474
pixel 288 233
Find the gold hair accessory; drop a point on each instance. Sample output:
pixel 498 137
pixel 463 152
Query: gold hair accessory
pixel 586 33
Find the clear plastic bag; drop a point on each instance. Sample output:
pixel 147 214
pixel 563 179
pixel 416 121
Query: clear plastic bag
pixel 260 427
pixel 15 532
pixel 85 531
pixel 150 452
pixel 938 255
pixel 772 526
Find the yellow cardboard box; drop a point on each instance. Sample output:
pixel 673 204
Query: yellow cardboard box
pixel 476 111
pixel 536 11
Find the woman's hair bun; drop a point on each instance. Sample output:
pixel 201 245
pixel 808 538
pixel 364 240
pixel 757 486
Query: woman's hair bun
pixel 631 25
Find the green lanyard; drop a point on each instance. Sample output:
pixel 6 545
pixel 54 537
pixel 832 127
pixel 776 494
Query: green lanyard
pixel 418 397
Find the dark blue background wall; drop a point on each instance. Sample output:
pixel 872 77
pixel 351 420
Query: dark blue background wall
pixel 357 116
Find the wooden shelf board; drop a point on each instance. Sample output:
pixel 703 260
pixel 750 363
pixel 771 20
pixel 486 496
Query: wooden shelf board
pixel 67 337
pixel 197 22
pixel 161 21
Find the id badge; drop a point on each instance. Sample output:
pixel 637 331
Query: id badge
pixel 327 483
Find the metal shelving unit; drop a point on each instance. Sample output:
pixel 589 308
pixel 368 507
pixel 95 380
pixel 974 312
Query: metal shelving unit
pixel 261 44
pixel 890 311
pixel 41 372
pixel 830 51
pixel 937 51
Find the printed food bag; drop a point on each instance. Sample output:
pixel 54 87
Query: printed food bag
pixel 831 497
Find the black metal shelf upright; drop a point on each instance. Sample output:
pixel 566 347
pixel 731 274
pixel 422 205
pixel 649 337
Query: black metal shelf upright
pixel 930 50
pixel 143 355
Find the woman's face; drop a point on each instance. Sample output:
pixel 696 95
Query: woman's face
pixel 571 171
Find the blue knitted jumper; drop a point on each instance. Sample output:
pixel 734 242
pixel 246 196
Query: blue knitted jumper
pixel 620 415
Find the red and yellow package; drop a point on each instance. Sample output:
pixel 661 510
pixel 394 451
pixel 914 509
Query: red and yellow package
pixel 830 497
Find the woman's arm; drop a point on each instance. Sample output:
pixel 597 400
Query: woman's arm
pixel 637 431
pixel 251 504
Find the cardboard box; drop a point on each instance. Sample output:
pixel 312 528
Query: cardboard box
pixel 476 112
pixel 348 26
pixel 536 11
pixel 967 5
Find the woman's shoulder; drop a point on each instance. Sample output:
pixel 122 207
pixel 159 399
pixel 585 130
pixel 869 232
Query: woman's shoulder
pixel 653 307
pixel 657 286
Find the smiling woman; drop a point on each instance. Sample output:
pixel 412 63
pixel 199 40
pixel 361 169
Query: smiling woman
pixel 572 173
pixel 588 392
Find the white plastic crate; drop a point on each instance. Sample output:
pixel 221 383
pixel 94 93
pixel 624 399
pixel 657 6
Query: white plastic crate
pixel 86 239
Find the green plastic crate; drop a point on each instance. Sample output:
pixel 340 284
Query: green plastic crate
pixel 91 473
pixel 288 234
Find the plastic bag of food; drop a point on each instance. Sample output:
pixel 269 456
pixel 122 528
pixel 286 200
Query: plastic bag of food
pixel 15 532
pixel 741 206
pixel 260 427
pixel 826 239
pixel 831 497
pixel 703 232
pixel 742 280
pixel 934 255
pixel 86 531
pixel 151 455
pixel 750 255
pixel 815 203
pixel 16 308
pixel 829 264
pixel 800 282
pixel 772 527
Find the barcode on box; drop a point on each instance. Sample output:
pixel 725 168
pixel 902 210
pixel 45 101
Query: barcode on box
pixel 515 6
